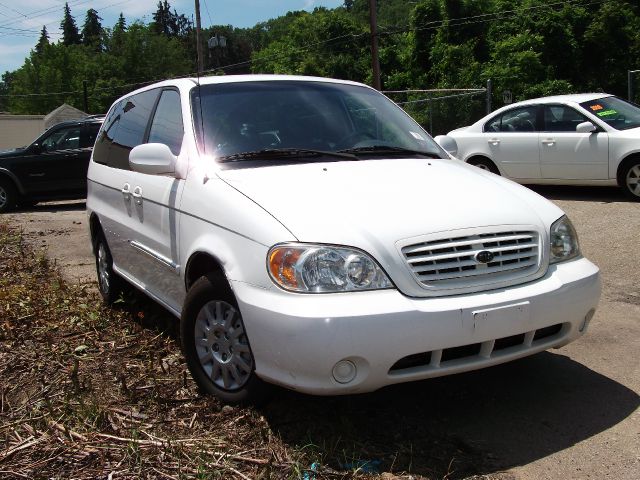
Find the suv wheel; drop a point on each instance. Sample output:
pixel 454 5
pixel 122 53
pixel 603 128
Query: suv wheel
pixel 215 343
pixel 8 195
pixel 631 180
pixel 108 281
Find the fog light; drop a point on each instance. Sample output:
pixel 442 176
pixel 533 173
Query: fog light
pixel 344 371
pixel 587 319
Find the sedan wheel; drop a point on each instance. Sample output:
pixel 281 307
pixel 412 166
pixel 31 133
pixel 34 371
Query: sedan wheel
pixel 632 181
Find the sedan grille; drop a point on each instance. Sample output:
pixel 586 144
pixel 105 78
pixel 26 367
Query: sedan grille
pixel 468 260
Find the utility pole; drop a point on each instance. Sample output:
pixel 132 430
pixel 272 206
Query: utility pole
pixel 86 97
pixel 489 95
pixel 198 42
pixel 630 84
pixel 375 62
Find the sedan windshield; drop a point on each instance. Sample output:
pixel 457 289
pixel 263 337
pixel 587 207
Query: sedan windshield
pixel 242 120
pixel 618 113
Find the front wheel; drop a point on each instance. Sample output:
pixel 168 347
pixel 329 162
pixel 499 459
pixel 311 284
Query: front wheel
pixel 484 164
pixel 631 180
pixel 215 343
pixel 8 195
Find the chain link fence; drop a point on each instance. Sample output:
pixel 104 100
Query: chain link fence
pixel 441 110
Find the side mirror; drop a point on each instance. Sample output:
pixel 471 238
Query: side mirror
pixel 152 158
pixel 36 148
pixel 586 127
pixel 448 144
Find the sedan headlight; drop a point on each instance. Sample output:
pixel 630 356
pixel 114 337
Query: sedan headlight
pixel 564 241
pixel 323 269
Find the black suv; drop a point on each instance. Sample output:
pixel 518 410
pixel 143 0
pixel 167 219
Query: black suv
pixel 53 167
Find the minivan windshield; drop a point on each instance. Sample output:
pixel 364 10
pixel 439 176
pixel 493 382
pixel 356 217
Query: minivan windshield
pixel 303 120
pixel 618 113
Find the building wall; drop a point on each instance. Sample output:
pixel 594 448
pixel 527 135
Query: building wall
pixel 19 130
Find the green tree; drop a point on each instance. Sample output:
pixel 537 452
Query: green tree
pixel 70 34
pixel 43 41
pixel 92 31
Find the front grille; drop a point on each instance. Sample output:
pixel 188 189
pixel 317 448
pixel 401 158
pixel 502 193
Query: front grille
pixel 452 262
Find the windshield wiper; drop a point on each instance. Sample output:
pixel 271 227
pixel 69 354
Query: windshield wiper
pixel 283 153
pixel 387 149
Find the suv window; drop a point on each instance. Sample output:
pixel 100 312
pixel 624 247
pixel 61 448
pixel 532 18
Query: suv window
pixel 517 120
pixel 124 129
pixel 91 133
pixel 167 122
pixel 561 118
pixel 62 139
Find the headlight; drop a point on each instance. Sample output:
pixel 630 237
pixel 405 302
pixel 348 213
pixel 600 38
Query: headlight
pixel 323 269
pixel 564 241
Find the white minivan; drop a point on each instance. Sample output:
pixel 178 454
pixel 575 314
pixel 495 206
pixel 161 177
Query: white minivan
pixel 308 233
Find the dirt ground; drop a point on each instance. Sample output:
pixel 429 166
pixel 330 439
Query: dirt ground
pixel 570 413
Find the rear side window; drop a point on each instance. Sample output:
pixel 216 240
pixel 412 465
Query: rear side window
pixel 91 132
pixel 167 122
pixel 516 120
pixel 124 128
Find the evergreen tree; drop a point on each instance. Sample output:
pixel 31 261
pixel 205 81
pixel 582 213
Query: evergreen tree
pixel 70 34
pixel 92 30
pixel 43 42
pixel 162 19
pixel 118 33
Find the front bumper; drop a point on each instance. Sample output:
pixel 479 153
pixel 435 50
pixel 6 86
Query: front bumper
pixel 297 339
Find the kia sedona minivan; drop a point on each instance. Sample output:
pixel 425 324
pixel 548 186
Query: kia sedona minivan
pixel 309 234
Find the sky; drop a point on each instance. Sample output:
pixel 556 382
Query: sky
pixel 21 22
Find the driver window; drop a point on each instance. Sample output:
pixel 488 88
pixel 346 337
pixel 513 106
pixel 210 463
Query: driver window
pixel 560 118
pixel 63 139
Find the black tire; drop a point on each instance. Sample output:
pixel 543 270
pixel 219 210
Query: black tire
pixel 8 195
pixel 109 284
pixel 484 164
pixel 629 179
pixel 223 345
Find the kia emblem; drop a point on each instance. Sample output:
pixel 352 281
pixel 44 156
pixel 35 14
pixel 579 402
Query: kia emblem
pixel 485 256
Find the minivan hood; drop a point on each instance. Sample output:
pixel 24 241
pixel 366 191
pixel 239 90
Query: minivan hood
pixel 372 204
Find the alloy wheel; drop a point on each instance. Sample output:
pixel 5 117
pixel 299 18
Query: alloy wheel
pixel 103 268
pixel 222 346
pixel 633 180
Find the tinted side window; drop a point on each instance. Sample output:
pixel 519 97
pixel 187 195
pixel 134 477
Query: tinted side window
pixel 167 122
pixel 129 126
pixel 62 139
pixel 103 143
pixel 91 132
pixel 560 118
pixel 516 120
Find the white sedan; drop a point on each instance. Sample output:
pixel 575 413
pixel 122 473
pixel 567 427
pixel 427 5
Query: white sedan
pixel 581 139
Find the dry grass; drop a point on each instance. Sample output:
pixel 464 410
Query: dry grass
pixel 93 392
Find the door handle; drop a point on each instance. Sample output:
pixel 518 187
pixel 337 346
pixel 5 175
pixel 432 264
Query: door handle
pixel 494 141
pixel 126 191
pixel 549 141
pixel 137 194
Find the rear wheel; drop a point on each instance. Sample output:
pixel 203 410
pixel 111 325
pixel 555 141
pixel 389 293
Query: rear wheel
pixel 8 195
pixel 630 179
pixel 215 343
pixel 109 284
pixel 484 164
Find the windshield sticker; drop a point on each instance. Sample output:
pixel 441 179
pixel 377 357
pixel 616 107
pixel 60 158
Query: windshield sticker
pixel 417 136
pixel 607 113
pixel 596 107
